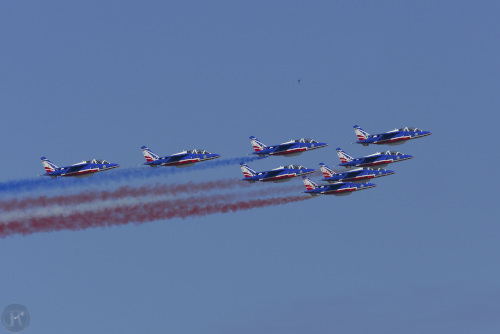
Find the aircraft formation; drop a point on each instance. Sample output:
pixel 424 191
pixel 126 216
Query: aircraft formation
pixel 355 176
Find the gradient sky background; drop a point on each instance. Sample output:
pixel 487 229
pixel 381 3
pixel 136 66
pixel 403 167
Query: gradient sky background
pixel 417 254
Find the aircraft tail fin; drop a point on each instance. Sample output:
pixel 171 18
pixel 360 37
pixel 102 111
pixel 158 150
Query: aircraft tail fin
pixel 310 185
pixel 49 166
pixel 327 171
pixel 257 144
pixel 344 157
pixel 148 154
pixel 247 171
pixel 360 133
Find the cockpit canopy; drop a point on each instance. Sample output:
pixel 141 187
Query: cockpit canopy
pixel 391 153
pixel 195 151
pixel 371 168
pixel 296 167
pixel 304 140
pixel 96 161
pixel 409 129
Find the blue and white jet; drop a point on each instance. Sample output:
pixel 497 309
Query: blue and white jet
pixel 379 159
pixel 356 175
pixel 181 159
pixel 337 189
pixel 393 137
pixel 288 149
pixel 280 174
pixel 81 169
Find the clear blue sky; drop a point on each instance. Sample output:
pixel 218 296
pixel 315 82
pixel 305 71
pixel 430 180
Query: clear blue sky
pixel 417 254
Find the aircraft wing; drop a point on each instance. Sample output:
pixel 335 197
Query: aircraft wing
pixel 273 173
pixel 333 186
pixel 75 169
pixel 354 173
pixel 284 147
pixel 177 157
pixel 389 135
pixel 370 159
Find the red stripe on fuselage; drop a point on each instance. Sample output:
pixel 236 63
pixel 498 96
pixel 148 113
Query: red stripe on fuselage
pixel 188 161
pixel 340 190
pixel 87 171
pixel 181 162
pixel 357 178
pixel 279 177
pixel 289 151
pixel 376 163
pixel 393 140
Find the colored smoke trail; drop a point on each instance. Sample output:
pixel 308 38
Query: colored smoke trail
pixel 142 193
pixel 139 214
pixel 122 192
pixel 117 175
pixel 84 208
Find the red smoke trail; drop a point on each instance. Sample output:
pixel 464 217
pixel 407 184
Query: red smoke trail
pixel 139 214
pixel 122 192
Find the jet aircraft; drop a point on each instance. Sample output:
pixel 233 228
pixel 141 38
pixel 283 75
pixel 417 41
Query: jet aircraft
pixel 338 189
pixel 288 149
pixel 280 174
pixel 81 169
pixel 393 137
pixel 182 159
pixel 379 159
pixel 356 175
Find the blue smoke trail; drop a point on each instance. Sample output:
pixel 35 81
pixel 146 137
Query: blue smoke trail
pixel 115 176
